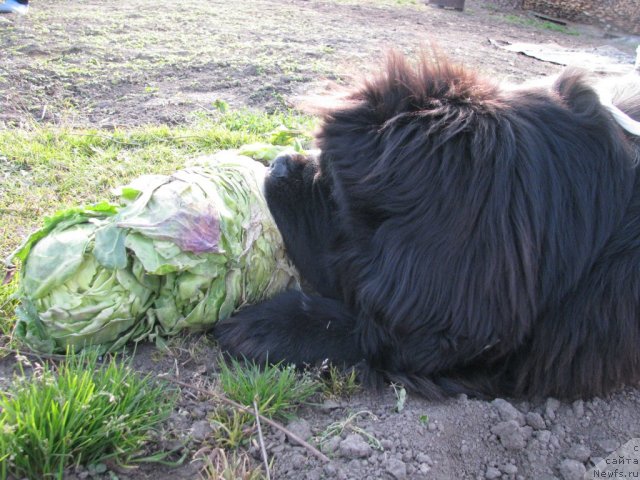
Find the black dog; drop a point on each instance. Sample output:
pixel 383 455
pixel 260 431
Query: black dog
pixel 461 238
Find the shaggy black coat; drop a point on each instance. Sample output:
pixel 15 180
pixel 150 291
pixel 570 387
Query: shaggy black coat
pixel 461 238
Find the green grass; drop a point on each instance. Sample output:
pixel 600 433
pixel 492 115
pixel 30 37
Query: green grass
pixel 77 412
pixel 231 427
pixel 541 24
pixel 278 390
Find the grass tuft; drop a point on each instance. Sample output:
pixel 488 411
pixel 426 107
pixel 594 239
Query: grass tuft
pixel 231 427
pixel 218 465
pixel 77 413
pixel 338 383
pixel 278 390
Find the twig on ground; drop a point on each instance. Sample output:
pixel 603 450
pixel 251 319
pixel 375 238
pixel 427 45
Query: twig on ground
pixel 266 420
pixel 263 450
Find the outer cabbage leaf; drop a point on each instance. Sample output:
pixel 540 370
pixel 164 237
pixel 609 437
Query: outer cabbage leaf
pixel 69 298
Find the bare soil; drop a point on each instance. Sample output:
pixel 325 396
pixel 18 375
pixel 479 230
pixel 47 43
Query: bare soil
pixel 114 63
pixel 121 63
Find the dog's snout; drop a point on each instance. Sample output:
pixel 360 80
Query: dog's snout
pixel 280 166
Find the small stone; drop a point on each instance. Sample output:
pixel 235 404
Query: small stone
pixel 535 420
pixel 578 408
pixel 432 427
pixel 511 436
pixel 299 427
pixel 424 458
pixel 579 452
pixel 313 475
pixel 200 430
pixel 510 469
pixel 543 436
pixel 277 448
pixel 298 461
pixel 397 468
pixel 250 71
pixel 331 445
pixel 198 413
pixel 354 446
pixel 608 444
pixel 386 444
pixel 178 421
pixel 506 411
pixel 551 407
pixel 571 470
pixel 330 469
pixel 492 473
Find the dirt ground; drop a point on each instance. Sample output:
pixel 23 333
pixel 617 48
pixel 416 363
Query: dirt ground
pixel 123 63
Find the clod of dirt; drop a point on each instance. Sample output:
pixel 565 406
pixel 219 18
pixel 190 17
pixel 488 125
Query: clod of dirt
pixel 579 452
pixel 397 468
pixel 492 473
pixel 507 411
pixel 571 470
pixel 535 421
pixel 578 408
pixel 608 444
pixel 354 446
pixel 551 407
pixel 511 435
pixel 299 427
pixel 331 445
pixel 200 430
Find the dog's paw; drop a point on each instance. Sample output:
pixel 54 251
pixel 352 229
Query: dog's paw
pixel 244 338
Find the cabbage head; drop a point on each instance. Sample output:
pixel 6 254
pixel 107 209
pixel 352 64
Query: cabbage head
pixel 180 252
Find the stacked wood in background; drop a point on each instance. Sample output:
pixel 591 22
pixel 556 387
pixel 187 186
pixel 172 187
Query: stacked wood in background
pixel 621 15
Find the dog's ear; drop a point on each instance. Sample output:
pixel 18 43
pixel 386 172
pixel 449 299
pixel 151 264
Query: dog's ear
pixel 574 91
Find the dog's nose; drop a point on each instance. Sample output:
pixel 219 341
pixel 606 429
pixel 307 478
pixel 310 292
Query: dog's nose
pixel 280 166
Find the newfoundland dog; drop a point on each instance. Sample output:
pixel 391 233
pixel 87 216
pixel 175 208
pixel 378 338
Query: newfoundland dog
pixel 461 237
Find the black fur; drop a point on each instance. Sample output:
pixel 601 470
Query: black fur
pixel 462 238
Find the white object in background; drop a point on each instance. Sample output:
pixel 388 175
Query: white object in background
pixel 14 6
